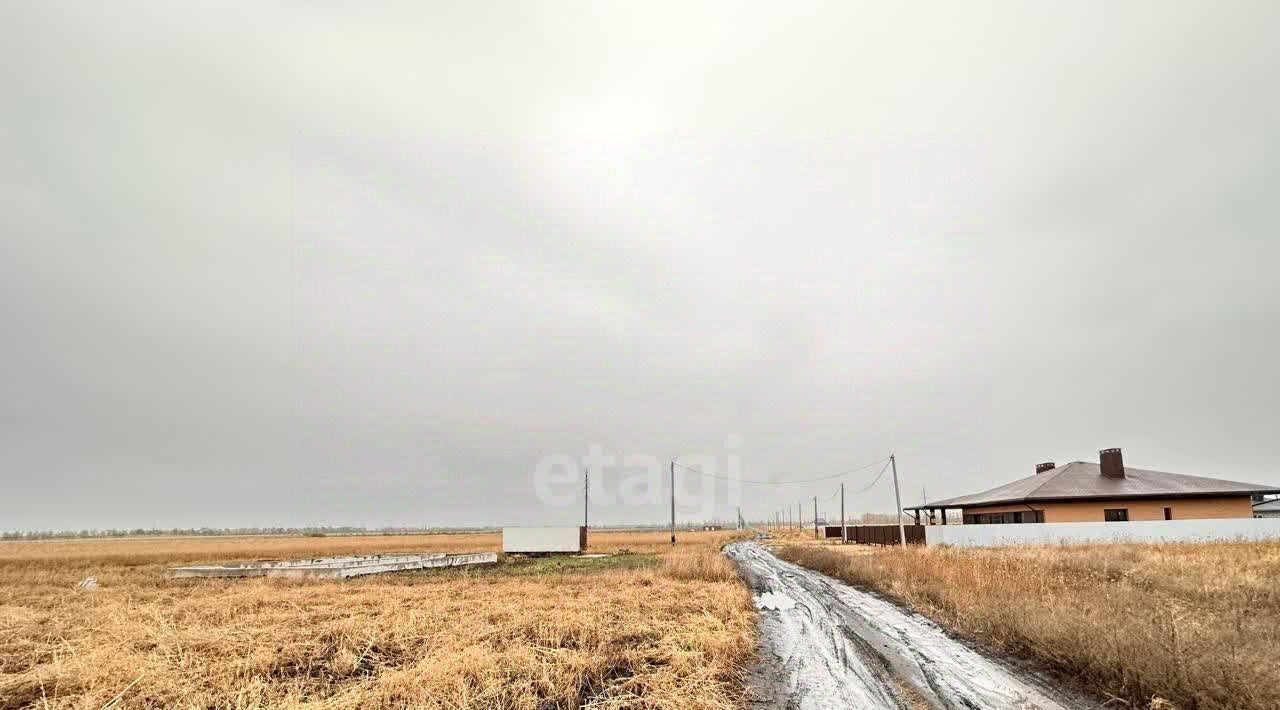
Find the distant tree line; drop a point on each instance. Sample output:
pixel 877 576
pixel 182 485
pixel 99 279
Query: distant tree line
pixel 322 530
pixel 315 531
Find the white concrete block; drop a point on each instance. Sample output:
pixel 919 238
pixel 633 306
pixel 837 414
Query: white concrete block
pixel 542 539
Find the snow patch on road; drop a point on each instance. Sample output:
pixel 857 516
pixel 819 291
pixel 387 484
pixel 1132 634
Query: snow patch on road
pixel 775 601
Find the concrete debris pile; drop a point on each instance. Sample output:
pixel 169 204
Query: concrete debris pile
pixel 335 567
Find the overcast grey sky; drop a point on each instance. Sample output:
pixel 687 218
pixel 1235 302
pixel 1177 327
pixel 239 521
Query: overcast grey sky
pixel 300 263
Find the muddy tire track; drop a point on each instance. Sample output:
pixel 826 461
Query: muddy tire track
pixel 839 646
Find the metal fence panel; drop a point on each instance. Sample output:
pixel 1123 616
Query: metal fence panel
pixel 882 534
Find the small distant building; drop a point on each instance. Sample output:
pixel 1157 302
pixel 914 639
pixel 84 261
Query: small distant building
pixel 1267 508
pixel 544 539
pixel 1103 491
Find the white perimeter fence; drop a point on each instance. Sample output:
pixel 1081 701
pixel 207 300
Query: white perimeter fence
pixel 1078 533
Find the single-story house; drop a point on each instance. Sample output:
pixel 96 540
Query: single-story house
pixel 1103 491
pixel 1267 508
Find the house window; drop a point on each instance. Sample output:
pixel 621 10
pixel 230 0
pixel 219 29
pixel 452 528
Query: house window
pixel 1116 515
pixel 1168 513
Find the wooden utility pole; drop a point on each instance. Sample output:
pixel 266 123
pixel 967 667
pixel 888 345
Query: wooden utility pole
pixel 673 501
pixel 844 529
pixel 815 517
pixel 897 497
pixel 586 498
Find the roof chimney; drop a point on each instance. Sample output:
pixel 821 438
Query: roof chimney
pixel 1111 462
pixel 1042 467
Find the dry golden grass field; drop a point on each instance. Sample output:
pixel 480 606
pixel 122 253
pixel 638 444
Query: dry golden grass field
pixel 658 628
pixel 1192 626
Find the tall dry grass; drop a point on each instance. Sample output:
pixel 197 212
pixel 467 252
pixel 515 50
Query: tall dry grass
pixel 660 635
pixel 700 565
pixel 1192 624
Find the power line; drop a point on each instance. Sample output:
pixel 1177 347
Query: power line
pixel 786 483
pixel 875 480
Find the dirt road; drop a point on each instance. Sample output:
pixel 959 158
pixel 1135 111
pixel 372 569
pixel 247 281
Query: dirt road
pixel 827 644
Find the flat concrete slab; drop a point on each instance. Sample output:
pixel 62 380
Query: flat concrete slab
pixel 335 567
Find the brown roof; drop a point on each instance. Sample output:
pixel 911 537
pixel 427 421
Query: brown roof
pixel 1079 480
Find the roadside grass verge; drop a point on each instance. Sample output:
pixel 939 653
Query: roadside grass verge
pixel 1194 625
pixel 707 565
pixel 627 631
pixel 513 566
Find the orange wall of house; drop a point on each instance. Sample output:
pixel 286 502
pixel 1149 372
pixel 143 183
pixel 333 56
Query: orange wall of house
pixel 1144 509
